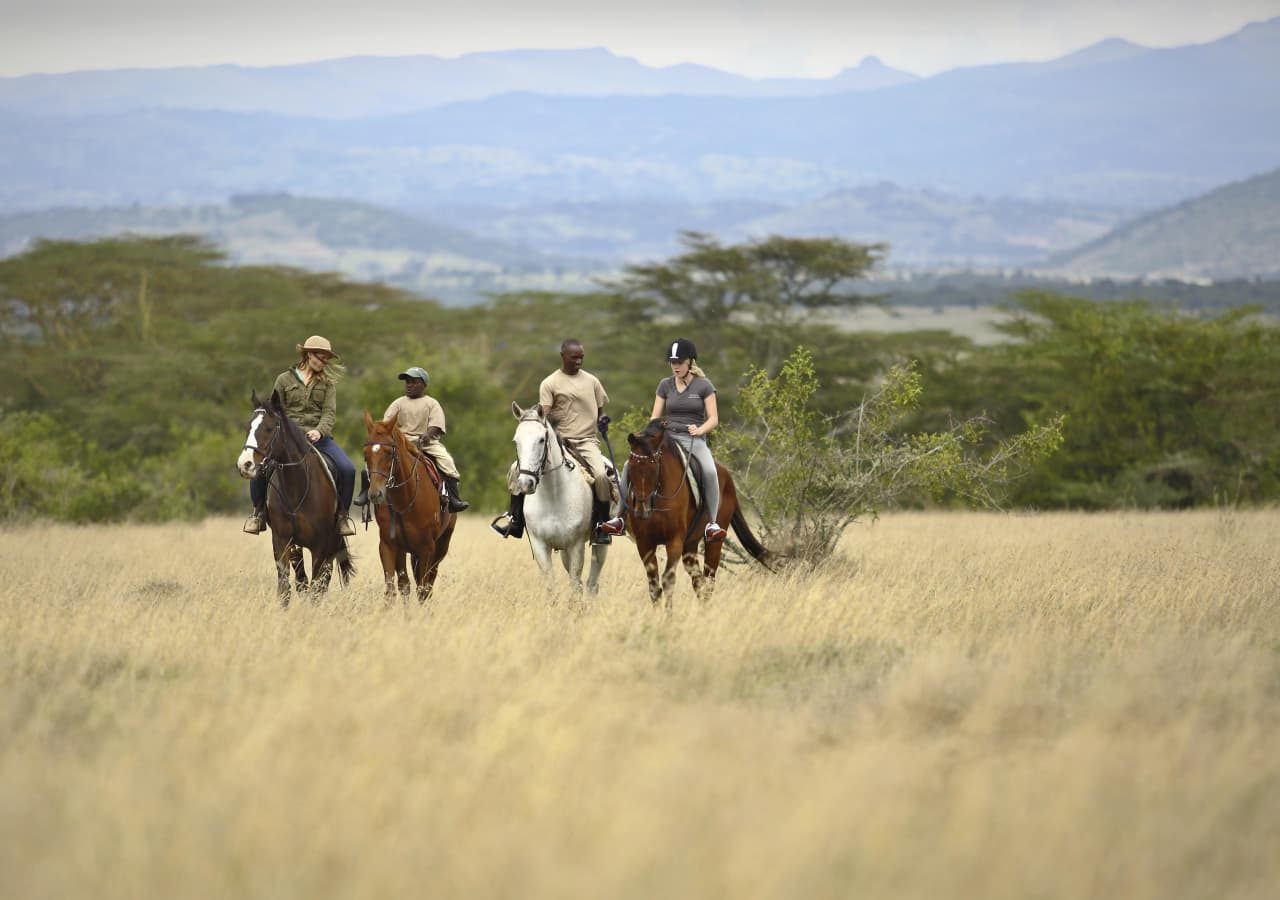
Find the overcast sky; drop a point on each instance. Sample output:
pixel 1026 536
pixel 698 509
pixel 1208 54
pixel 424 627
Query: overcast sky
pixel 808 38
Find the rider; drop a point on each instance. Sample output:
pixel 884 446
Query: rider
pixel 573 401
pixel 421 418
pixel 688 401
pixel 309 394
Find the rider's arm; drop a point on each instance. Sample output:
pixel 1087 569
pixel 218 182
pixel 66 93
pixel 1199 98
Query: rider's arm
pixel 659 407
pixel 713 415
pixel 328 412
pixel 433 433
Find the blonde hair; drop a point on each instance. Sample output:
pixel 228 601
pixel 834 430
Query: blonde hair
pixel 696 370
pixel 332 373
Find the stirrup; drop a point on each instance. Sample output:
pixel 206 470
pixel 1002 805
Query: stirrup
pixel 255 524
pixel 616 525
pixel 511 529
pixel 346 528
pixel 714 532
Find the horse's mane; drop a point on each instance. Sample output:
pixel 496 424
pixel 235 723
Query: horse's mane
pixel 655 428
pixel 293 432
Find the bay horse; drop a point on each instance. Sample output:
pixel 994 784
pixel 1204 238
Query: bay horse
pixel 662 511
pixel 302 499
pixel 412 521
pixel 558 500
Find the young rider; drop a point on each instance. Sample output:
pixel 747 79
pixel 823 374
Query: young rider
pixel 421 417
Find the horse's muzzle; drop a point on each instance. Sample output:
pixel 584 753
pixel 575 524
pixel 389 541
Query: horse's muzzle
pixel 246 466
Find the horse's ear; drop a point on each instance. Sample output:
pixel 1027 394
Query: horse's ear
pixel 633 440
pixel 368 421
pixel 253 398
pixel 275 399
pixel 516 410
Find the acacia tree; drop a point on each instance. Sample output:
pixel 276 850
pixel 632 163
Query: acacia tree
pixel 810 476
pixel 772 284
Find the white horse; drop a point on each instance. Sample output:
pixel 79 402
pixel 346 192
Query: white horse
pixel 557 505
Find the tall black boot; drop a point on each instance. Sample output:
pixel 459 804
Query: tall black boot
pixel 456 503
pixel 363 499
pixel 599 513
pixel 514 516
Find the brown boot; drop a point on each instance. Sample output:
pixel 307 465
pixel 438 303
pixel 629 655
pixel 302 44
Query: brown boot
pixel 346 528
pixel 256 523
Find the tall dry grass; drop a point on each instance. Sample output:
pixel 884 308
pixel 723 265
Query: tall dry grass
pixel 960 706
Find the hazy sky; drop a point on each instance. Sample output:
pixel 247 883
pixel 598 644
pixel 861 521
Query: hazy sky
pixel 751 37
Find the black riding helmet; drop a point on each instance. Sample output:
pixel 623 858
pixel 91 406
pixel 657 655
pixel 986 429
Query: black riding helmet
pixel 681 348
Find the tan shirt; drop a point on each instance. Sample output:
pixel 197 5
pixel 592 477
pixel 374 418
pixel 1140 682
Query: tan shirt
pixel 573 401
pixel 416 416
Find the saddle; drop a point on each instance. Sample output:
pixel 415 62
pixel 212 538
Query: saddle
pixel 610 475
pixel 692 473
pixel 432 472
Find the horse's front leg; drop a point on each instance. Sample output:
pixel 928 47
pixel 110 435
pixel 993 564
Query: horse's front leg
pixel 542 556
pixel 675 548
pixel 392 567
pixel 649 556
pixel 598 554
pixel 573 558
pixel 282 547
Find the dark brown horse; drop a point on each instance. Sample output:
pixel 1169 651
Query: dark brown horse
pixel 661 511
pixel 404 489
pixel 302 502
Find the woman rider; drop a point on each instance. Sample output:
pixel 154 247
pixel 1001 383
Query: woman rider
pixel 687 400
pixel 309 394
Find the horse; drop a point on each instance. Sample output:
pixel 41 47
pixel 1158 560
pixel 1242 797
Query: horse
pixel 662 511
pixel 302 499
pixel 406 503
pixel 558 501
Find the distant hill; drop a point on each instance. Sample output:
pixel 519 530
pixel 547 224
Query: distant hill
pixel 931 228
pixel 1230 232
pixel 360 241
pixel 373 86
pixel 1114 124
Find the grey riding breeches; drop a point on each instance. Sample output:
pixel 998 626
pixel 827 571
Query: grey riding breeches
pixel 696 447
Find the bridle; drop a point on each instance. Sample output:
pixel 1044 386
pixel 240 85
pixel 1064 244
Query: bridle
pixel 390 482
pixel 656 459
pixel 271 462
pixel 536 474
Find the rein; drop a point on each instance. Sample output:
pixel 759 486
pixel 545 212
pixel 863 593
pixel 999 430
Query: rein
pixel 271 462
pixel 391 483
pixel 656 458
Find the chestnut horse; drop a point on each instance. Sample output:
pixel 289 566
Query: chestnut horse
pixel 302 501
pixel 406 502
pixel 661 511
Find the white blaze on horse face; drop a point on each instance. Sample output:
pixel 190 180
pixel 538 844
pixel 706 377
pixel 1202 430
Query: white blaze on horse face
pixel 248 468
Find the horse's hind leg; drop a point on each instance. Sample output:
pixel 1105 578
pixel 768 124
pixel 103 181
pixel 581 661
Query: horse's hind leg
pixel 690 560
pixel 299 567
pixel 321 572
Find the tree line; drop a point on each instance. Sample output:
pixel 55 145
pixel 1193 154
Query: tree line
pixel 130 363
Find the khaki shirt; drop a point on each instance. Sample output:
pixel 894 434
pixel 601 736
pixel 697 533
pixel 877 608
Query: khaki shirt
pixel 313 405
pixel 573 402
pixel 416 416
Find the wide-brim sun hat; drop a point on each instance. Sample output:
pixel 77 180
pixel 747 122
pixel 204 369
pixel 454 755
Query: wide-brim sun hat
pixel 317 344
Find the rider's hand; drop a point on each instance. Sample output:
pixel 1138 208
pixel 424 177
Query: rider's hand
pixel 693 430
pixel 313 436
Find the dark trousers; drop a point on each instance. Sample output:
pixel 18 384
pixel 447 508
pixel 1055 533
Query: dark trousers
pixel 344 473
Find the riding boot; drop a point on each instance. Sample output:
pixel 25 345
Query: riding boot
pixel 456 503
pixel 363 498
pixel 515 519
pixel 599 512
pixel 257 521
pixel 346 528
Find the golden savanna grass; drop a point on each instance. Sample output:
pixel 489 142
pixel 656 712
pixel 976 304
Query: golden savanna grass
pixel 959 705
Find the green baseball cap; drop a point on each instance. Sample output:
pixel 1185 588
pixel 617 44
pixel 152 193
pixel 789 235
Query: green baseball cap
pixel 415 372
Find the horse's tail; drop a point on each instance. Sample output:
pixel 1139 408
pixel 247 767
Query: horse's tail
pixel 749 541
pixel 346 562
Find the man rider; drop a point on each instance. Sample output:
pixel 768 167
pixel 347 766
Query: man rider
pixel 573 401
